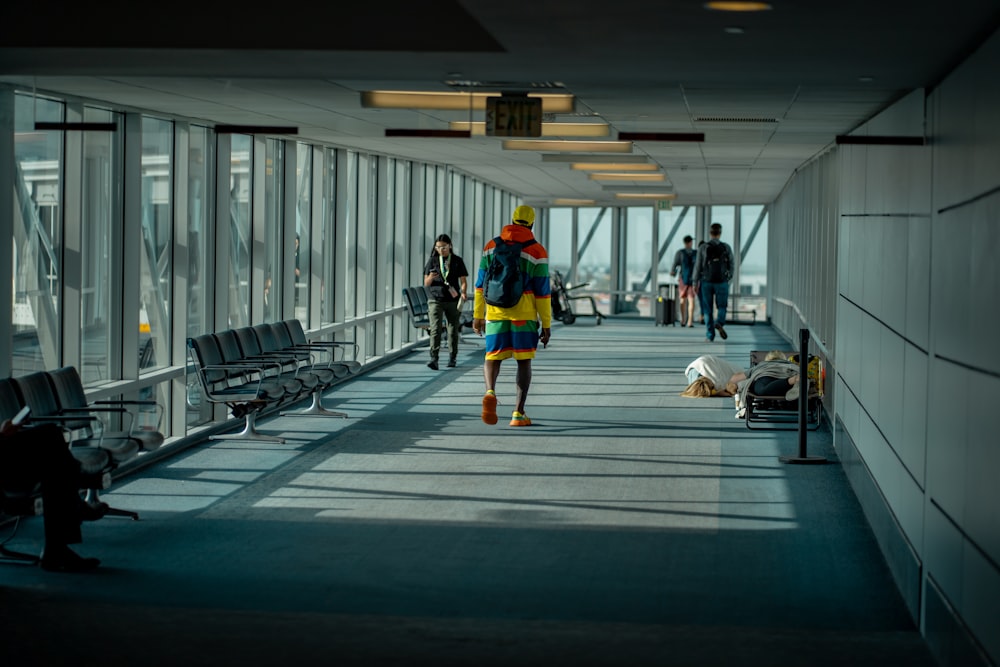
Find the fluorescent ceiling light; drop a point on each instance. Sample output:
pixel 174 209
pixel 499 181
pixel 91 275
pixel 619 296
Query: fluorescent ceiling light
pixel 559 157
pixel 577 146
pixel 737 6
pixel 613 166
pixel 478 128
pixel 562 201
pixel 414 99
pixel 607 176
pixel 645 195
pixel 662 189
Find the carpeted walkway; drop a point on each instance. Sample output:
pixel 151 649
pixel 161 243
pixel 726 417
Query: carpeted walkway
pixel 629 526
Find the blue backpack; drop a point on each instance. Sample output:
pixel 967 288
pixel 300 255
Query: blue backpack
pixel 503 284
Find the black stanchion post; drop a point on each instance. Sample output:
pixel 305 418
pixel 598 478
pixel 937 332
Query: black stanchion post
pixel 803 404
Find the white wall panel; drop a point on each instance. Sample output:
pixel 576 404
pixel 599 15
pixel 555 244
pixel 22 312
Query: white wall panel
pixel 852 179
pixel 967 135
pixel 871 349
pixel 981 598
pixel 895 245
pixel 951 296
pixel 984 283
pixel 912 447
pixel 942 553
pixel 981 519
pixel 890 402
pixel 919 273
pixel 947 434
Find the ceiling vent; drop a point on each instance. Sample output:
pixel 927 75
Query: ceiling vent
pixel 738 120
pixel 505 85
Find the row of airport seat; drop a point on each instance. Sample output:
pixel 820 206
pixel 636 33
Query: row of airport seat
pixel 256 369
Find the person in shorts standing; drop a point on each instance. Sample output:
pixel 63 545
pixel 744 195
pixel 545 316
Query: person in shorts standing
pixel 515 331
pixel 684 260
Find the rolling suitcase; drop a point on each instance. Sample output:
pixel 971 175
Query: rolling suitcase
pixel 666 305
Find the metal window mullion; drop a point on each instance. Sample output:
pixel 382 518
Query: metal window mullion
pixel 127 254
pixel 223 232
pixel 181 270
pixel 258 228
pixel 343 199
pixel 7 202
pixel 314 314
pixel 289 208
pixel 71 290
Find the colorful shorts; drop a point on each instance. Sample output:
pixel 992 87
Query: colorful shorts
pixel 511 338
pixel 686 291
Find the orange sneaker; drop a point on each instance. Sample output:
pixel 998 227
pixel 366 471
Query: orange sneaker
pixel 490 408
pixel 519 419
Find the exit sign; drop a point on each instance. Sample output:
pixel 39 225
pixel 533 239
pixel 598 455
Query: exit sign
pixel 513 116
pixel 664 204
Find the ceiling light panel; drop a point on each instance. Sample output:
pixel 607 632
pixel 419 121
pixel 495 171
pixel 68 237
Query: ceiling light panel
pixel 605 176
pixel 572 146
pixel 645 195
pixel 454 101
pixel 613 166
pixel 618 159
pixel 478 128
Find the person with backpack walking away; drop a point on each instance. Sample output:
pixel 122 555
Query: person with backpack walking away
pixel 512 308
pixel 684 260
pixel 447 283
pixel 714 270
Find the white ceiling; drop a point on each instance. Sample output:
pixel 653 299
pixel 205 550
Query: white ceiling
pixel 652 66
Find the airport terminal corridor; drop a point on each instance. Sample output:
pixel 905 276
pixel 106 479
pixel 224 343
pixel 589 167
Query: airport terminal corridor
pixel 627 526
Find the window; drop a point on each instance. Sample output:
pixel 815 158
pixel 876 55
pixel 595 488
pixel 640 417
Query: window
pixel 155 257
pixel 37 243
pixel 240 239
pixel 274 230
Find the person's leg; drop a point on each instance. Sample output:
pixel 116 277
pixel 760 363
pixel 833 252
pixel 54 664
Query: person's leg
pixel 767 386
pixel 690 318
pixel 499 346
pixel 523 383
pixel 708 294
pixel 491 371
pixel 453 316
pixel 721 303
pixel 41 454
pixel 435 312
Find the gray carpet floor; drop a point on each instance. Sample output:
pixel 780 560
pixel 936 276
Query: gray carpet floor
pixel 627 526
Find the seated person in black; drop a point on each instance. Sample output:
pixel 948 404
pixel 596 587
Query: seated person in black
pixel 40 455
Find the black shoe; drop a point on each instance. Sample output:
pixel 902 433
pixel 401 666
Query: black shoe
pixel 65 559
pixel 92 511
pixel 432 364
pixel 452 363
pixel 722 332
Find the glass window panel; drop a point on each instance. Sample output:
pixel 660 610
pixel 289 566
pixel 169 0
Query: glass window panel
pixel 274 228
pixel 674 224
pixel 101 164
pixel 594 252
pixel 638 260
pixel 725 216
pixel 240 184
pixel 199 231
pixel 155 265
pixel 303 224
pixel 199 249
pixel 37 243
pixel 753 262
pixel 329 240
pixel 560 241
